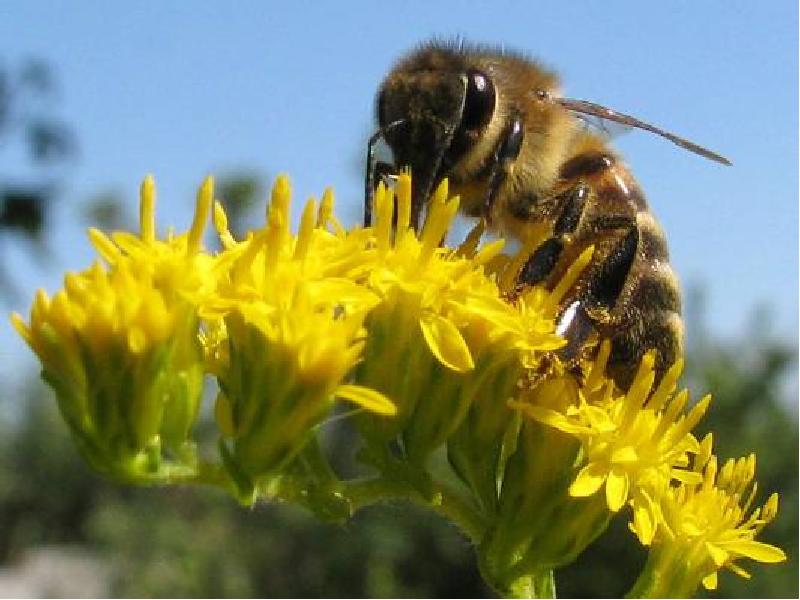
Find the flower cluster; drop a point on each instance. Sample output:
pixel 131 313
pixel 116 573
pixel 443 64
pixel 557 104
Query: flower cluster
pixel 289 316
pixel 695 528
pixel 119 345
pixel 435 350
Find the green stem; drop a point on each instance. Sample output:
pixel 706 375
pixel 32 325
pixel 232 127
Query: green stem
pixel 668 573
pixel 173 473
pixel 213 474
pixel 443 500
pixel 533 585
pixel 544 585
pixel 521 588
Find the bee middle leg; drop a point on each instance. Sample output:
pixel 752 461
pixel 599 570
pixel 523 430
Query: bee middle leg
pixel 574 323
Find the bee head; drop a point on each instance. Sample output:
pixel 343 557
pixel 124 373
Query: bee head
pixel 440 106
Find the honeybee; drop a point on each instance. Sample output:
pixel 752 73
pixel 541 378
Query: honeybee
pixel 515 151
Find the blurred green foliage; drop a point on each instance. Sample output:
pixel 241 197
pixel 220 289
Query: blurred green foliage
pixel 200 543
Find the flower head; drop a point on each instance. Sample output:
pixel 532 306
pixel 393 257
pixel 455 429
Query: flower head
pixel 437 347
pixel 442 329
pixel 287 319
pixel 119 343
pixel 696 528
pixel 631 439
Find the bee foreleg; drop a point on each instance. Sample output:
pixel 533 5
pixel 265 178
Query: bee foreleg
pixel 370 174
pixel 507 152
pixel 369 177
pixel 381 171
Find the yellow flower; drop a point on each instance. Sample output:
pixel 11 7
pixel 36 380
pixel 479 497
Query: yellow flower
pixel 437 347
pixel 285 330
pixel 442 329
pixel 480 446
pixel 539 525
pixel 629 440
pixel 119 344
pixel 695 529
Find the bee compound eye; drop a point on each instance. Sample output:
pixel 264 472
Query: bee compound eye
pixel 479 102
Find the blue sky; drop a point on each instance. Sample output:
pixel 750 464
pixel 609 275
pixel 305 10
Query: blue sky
pixel 182 89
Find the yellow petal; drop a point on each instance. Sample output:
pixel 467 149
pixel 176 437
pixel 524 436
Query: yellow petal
pixel 104 246
pixel 770 508
pixel 690 528
pixel 147 219
pixel 325 208
pixel 550 417
pixel 489 251
pixel 570 276
pixel 384 211
pixel 342 292
pixel 710 581
pixel 717 554
pixel 599 419
pixel 759 551
pixel 446 342
pixel 588 481
pixel 687 477
pixel 626 454
pixel 403 188
pixel 367 398
pixel 137 340
pixel 205 198
pixel 22 329
pixel 738 570
pixel 617 488
pixel 495 311
pixel 220 220
pixel 307 224
pixel 643 525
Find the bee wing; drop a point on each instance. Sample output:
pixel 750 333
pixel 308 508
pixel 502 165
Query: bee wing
pixel 586 110
pixel 604 127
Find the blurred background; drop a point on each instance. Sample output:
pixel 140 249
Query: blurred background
pixel 95 95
